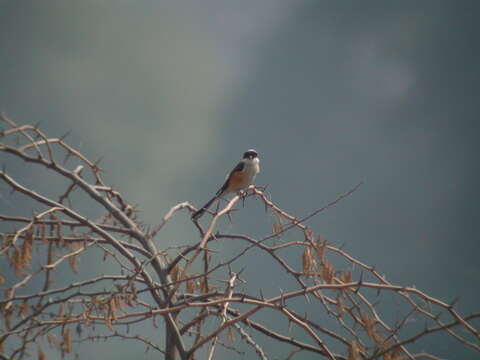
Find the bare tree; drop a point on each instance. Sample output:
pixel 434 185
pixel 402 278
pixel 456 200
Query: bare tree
pixel 332 304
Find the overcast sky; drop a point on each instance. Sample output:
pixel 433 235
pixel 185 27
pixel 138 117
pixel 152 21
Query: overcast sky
pixel 330 93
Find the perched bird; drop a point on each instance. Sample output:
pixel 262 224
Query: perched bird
pixel 241 177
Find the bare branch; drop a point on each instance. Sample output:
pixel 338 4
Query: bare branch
pixel 329 299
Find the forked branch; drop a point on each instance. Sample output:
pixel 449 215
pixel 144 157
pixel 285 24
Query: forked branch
pixel 328 304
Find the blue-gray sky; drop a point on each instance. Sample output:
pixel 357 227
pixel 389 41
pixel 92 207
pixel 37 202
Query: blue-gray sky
pixel 330 93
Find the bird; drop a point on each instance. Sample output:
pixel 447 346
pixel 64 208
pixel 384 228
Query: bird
pixel 241 177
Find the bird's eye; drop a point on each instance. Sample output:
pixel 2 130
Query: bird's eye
pixel 250 154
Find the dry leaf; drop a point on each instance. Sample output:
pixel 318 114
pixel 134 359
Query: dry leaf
pixel 340 305
pixel 67 340
pixel 43 234
pixel 190 286
pixel 277 227
pixel 328 272
pixel 61 311
pixel 41 354
pixel 73 261
pixel 346 277
pixel 230 334
pixel 16 260
pixel 369 326
pixel 203 285
pixel 307 261
pixel 112 308
pixel 320 250
pixel 25 308
pixel 119 303
pixel 108 321
pixel 174 273
pixel 60 238
pixel 7 317
pixel 354 351
pixel 27 251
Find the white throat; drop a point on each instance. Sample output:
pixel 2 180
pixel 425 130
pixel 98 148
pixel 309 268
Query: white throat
pixel 252 168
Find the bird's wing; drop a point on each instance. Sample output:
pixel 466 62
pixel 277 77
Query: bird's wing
pixel 237 168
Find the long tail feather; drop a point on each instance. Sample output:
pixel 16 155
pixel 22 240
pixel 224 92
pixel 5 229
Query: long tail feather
pixel 200 211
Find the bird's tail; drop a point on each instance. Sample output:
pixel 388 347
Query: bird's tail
pixel 200 211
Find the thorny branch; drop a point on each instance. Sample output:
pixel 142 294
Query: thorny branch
pixel 328 307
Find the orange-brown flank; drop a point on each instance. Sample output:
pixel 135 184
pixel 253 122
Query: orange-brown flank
pixel 237 181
